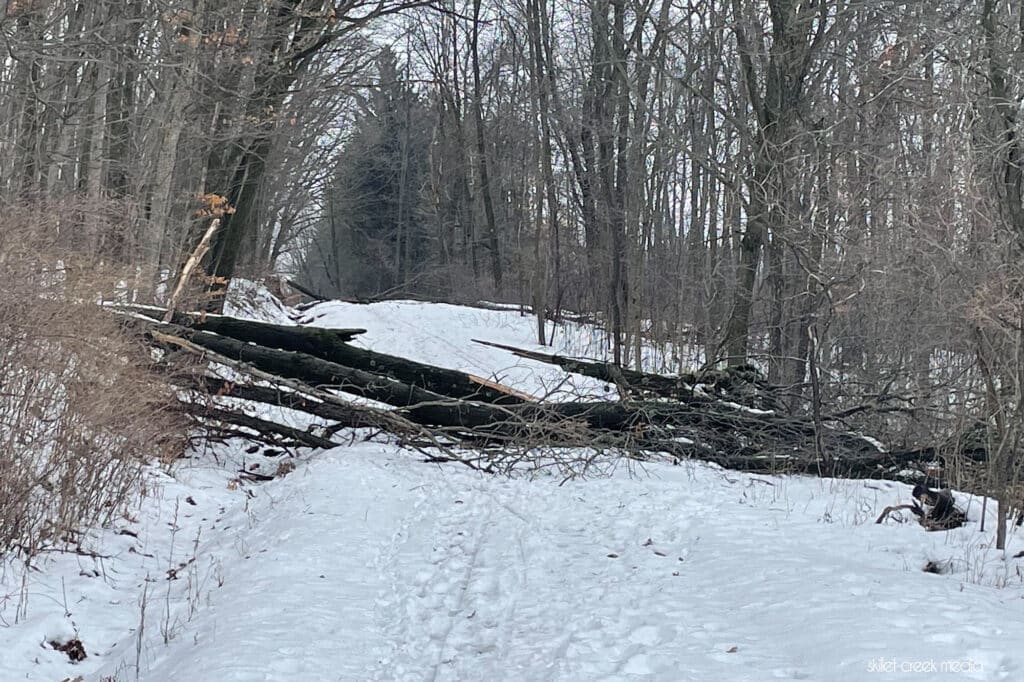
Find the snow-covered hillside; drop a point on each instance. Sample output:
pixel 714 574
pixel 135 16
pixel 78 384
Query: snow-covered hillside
pixel 365 564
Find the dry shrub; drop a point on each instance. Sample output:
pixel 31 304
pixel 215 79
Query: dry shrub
pixel 81 407
pixel 997 311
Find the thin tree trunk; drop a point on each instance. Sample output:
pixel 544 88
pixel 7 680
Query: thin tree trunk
pixel 481 153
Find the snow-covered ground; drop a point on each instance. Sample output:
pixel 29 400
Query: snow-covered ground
pixel 365 564
pixel 443 334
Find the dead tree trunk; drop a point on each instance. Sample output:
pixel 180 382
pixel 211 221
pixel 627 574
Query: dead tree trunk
pixel 331 345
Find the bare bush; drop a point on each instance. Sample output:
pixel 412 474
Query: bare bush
pixel 80 407
pixel 998 313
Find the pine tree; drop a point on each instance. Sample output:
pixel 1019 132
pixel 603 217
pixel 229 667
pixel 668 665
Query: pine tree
pixel 372 240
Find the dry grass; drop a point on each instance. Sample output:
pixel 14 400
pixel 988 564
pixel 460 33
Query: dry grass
pixel 80 406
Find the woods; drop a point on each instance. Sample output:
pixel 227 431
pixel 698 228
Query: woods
pixel 536 339
pixel 827 193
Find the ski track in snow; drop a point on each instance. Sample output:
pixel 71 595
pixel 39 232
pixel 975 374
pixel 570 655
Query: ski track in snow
pixel 520 587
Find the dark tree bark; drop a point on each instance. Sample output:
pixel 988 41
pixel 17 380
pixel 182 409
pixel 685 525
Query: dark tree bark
pixel 775 96
pixel 263 427
pixel 481 153
pixel 679 388
pixel 330 345
pixel 352 417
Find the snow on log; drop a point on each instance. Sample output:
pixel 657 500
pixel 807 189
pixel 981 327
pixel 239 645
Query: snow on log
pixel 331 345
pixel 743 384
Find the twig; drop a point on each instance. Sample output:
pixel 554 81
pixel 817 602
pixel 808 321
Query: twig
pixel 888 510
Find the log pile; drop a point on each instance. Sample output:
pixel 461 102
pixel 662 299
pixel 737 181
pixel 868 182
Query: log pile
pixel 726 417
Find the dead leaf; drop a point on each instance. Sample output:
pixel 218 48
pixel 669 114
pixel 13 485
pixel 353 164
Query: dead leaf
pixel 73 648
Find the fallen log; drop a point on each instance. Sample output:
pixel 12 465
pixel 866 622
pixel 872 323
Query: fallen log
pixel 606 371
pixel 348 416
pixel 732 426
pixel 262 427
pixel 286 392
pixel 306 291
pixel 313 370
pixel 301 397
pixel 717 431
pixel 423 406
pixel 302 337
pixel 331 345
pixel 743 384
pixel 781 459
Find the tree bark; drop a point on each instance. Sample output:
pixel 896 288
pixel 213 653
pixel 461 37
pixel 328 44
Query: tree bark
pixel 330 345
pixel 481 153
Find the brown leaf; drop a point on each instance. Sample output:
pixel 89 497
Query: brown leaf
pixel 73 648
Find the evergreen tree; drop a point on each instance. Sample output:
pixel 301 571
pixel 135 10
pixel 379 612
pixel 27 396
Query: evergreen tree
pixel 372 240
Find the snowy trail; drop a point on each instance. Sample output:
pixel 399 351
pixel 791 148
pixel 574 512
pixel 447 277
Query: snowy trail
pixel 364 564
pixel 690 574
pixel 296 601
pixel 522 586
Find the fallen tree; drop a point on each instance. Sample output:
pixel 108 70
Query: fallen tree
pixel 262 427
pixel 744 385
pixel 333 346
pixel 433 409
pixel 717 430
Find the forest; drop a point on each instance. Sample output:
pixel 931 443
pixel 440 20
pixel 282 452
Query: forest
pixel 828 191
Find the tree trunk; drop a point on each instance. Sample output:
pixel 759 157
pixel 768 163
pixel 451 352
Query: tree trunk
pixel 481 153
pixel 330 345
